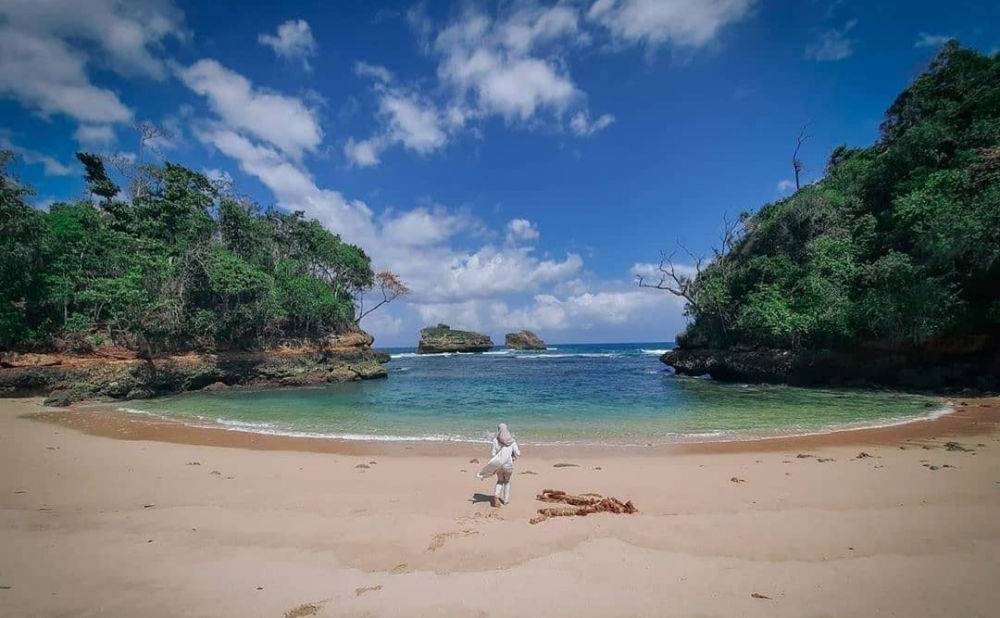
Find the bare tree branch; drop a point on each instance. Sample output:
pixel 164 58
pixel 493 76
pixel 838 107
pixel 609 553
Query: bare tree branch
pixel 682 281
pixel 674 280
pixel 797 165
pixel 391 288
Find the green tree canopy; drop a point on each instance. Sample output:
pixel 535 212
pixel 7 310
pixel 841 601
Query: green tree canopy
pixel 176 267
pixel 899 243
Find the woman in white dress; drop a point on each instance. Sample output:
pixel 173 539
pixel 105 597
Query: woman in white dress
pixel 505 452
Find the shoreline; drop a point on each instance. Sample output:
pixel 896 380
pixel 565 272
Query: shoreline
pixel 161 519
pixel 961 417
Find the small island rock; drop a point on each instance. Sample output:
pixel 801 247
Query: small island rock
pixel 524 340
pixel 442 338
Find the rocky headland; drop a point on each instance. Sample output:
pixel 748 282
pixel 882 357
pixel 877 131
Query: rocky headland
pixel 524 340
pixel 442 338
pixel 962 364
pixel 67 378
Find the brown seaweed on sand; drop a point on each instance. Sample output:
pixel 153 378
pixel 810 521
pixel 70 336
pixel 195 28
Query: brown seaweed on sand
pixel 583 504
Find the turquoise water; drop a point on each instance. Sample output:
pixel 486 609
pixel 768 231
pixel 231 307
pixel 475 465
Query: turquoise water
pixel 604 393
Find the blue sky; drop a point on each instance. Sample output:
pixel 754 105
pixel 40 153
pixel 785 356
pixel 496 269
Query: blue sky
pixel 516 162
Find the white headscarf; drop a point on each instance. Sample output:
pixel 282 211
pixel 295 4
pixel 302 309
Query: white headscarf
pixel 503 435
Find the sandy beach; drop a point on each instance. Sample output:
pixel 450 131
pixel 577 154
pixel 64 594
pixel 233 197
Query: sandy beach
pixel 105 514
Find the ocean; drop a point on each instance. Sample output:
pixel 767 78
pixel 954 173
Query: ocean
pixel 568 394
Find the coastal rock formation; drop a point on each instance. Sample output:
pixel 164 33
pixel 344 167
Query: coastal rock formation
pixel 74 378
pixel 937 368
pixel 442 338
pixel 524 340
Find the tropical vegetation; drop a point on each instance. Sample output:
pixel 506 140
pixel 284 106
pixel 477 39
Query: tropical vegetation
pixel 180 264
pixel 897 244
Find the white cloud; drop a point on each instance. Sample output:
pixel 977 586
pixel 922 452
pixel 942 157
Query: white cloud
pixel 407 119
pixel 651 274
pixel 413 243
pixel 688 23
pixel 292 41
pixel 588 309
pixel 423 227
pixel 603 306
pixel 283 121
pixel 832 44
pixel 46 75
pixel 932 40
pixel 785 186
pixel 582 125
pixel 46 47
pixel 454 275
pixel 482 59
pixel 363 153
pixel 521 230
pixel 510 66
pixel 375 71
pixel 412 122
pixel 514 65
pixel 94 135
pixel 51 166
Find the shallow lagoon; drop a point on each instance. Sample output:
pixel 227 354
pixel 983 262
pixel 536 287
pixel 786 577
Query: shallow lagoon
pixel 576 393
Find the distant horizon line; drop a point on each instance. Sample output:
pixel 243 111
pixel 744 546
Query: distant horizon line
pixel 556 343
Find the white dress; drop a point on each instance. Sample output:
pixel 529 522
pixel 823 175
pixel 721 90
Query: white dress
pixel 503 459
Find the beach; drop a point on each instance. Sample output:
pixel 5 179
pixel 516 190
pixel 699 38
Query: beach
pixel 103 513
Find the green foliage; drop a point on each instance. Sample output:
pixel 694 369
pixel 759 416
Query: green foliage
pixel 98 181
pixel 177 267
pixel 899 243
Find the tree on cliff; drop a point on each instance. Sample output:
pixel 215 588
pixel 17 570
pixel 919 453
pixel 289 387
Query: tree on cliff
pixel 390 287
pixel 180 265
pixel 899 242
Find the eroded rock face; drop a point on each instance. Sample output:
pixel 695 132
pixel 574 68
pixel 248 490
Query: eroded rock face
pixel 343 358
pixel 921 370
pixel 442 338
pixel 524 340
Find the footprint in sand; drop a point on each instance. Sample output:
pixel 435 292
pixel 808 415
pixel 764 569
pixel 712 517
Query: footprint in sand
pixel 363 589
pixel 442 537
pixel 402 567
pixel 306 609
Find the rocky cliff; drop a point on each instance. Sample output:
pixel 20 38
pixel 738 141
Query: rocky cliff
pixel 524 340
pixel 442 338
pixel 66 378
pixel 944 367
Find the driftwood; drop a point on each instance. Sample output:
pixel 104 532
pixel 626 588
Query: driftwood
pixel 580 505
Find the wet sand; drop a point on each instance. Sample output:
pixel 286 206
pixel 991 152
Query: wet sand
pixel 967 417
pixel 109 514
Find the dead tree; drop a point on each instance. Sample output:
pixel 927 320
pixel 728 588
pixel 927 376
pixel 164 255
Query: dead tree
pixel 797 165
pixel 677 279
pixel 681 280
pixel 390 286
pixel 133 167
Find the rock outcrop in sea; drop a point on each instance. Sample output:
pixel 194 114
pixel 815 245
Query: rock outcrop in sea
pixel 524 340
pixel 68 378
pixel 442 338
